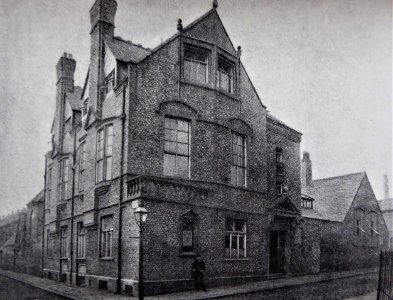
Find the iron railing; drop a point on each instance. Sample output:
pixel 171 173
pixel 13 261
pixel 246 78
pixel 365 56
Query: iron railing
pixel 385 285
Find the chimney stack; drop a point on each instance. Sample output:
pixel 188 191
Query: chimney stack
pixel 65 72
pixel 306 170
pixel 102 21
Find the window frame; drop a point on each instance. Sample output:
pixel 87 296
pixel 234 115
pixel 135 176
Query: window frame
pixel 64 241
pixel 175 153
pixel 106 249
pixel 63 179
pixel 105 157
pixel 235 166
pixel 223 60
pixel 188 48
pixel 307 203
pixel 49 244
pixel 80 240
pixel 110 81
pixel 81 165
pixel 48 186
pixel 237 234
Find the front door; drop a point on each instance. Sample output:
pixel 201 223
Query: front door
pixel 277 252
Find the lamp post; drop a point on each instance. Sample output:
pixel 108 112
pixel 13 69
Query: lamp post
pixel 140 216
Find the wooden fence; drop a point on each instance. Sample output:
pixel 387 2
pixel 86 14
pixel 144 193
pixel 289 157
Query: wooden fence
pixel 385 285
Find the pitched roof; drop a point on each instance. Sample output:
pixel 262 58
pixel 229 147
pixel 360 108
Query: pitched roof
pixel 126 50
pixel 333 196
pixel 74 98
pixel 277 121
pixel 38 198
pixel 386 204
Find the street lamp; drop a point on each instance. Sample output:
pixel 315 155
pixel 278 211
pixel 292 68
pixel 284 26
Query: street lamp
pixel 140 214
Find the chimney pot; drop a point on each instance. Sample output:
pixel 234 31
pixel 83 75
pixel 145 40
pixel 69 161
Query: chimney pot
pixel 179 25
pixel 215 4
pixel 239 51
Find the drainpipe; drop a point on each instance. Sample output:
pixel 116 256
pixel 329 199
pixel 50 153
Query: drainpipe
pixel 72 205
pixel 123 121
pixel 179 29
pixel 43 224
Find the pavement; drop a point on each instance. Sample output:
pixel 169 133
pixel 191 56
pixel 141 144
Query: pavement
pixel 75 292
pixel 370 296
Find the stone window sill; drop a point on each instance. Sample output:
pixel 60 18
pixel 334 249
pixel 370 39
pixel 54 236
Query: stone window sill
pixel 106 258
pixel 236 259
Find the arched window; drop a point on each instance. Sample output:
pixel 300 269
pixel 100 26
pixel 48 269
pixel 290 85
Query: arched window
pixel 359 217
pixel 373 224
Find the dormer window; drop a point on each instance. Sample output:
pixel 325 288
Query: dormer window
pixel 195 64
pixel 110 81
pixel 225 76
pixel 307 203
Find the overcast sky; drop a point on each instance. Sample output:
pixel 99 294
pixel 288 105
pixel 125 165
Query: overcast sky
pixel 323 67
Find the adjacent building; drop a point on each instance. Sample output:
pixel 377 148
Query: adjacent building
pixel 343 214
pixel 22 251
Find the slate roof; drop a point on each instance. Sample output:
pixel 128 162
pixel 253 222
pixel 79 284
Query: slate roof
pixel 386 204
pixel 126 50
pixel 74 99
pixel 332 196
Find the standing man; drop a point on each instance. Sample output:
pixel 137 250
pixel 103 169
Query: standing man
pixel 198 268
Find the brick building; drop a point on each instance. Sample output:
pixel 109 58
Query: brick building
pixel 181 131
pixel 22 251
pixel 342 214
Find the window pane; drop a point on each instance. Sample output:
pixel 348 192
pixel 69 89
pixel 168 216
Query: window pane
pixel 240 174
pixel 202 72
pixel 187 69
pixel 108 174
pixel 182 125
pixel 233 175
pixel 100 170
pixel 182 166
pixel 170 146
pixel 170 123
pixel 169 164
pixel 170 135
pixel 182 137
pixel 234 242
pixel 182 149
pixel 109 130
pixel 224 82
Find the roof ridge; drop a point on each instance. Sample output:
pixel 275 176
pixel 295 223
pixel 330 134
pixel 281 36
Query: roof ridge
pixel 172 37
pixel 340 176
pixel 119 38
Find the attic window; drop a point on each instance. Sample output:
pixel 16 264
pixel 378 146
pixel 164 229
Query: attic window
pixel 195 64
pixel 109 81
pixel 307 203
pixel 84 107
pixel 226 71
